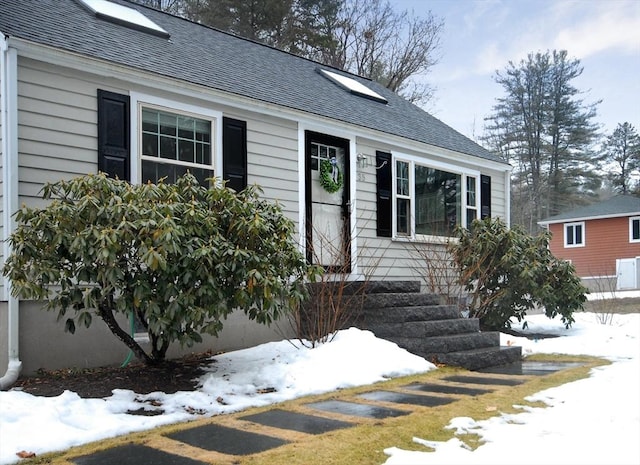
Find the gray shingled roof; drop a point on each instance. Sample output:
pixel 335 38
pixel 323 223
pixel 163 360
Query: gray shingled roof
pixel 620 205
pixel 208 57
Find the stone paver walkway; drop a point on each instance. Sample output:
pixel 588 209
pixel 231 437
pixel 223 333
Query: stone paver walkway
pixel 216 441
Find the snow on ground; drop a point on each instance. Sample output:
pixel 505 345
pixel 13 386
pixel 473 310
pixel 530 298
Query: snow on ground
pixel 262 375
pixel 591 421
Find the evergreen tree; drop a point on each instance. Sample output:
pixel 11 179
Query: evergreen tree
pixel 621 154
pixel 543 128
pixel 296 26
pixel 366 37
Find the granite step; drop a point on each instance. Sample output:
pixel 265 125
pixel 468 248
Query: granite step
pixel 424 329
pixel 477 359
pixel 401 314
pixel 437 345
pixel 395 299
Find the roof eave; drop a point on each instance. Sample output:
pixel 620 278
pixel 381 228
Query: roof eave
pixel 588 218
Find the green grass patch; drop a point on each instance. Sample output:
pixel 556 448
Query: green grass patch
pixel 364 443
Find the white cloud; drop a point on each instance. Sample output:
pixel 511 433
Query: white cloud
pixel 580 27
pixel 611 25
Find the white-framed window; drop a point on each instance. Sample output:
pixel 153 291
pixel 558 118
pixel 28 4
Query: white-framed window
pixel 431 199
pixel 634 229
pixel 172 138
pixel 574 234
pixel 320 152
pixel 403 199
pixel 472 199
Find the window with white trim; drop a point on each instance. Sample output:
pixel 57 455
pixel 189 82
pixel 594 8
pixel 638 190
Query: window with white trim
pixel 574 234
pixel 173 143
pixel 634 229
pixel 403 198
pixel 472 201
pixel 431 201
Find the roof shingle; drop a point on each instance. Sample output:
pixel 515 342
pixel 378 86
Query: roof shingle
pixel 620 205
pixel 217 60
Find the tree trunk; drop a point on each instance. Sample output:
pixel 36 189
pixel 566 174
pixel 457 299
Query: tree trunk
pixel 106 313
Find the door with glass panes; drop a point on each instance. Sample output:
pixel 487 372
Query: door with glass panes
pixel 327 202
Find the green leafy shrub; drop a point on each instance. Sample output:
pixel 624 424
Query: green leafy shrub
pixel 508 272
pixel 179 256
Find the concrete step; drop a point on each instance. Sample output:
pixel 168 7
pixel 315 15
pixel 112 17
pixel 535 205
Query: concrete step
pixel 429 346
pixel 394 299
pixel 368 287
pixel 420 323
pixel 375 315
pixel 422 329
pixel 392 287
pixel 477 359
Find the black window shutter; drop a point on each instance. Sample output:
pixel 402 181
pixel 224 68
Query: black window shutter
pixel 113 134
pixel 234 153
pixel 383 194
pixel 485 196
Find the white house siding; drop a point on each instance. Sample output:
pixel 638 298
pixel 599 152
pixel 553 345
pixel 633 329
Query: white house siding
pixel 385 258
pixel 44 344
pixel 57 127
pixel 58 133
pixel 2 312
pixel 58 140
pixel 4 349
pixel 272 157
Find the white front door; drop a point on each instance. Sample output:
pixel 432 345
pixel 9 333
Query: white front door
pixel 327 217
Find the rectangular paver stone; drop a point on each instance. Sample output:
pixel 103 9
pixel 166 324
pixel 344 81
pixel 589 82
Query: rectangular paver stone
pixel 284 419
pixel 401 398
pixel 134 454
pixel 226 440
pixel 357 410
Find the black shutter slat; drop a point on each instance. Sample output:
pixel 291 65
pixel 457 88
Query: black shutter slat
pixel 383 194
pixel 485 196
pixel 234 153
pixel 113 134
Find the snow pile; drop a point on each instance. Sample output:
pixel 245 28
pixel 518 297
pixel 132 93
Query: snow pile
pixel 590 421
pixel 261 375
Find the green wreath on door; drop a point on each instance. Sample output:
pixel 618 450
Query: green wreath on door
pixel 330 175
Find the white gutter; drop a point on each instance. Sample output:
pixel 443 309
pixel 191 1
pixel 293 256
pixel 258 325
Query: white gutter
pixel 507 209
pixel 9 121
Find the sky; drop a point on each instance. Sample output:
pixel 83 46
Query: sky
pixel 481 36
pixel 595 420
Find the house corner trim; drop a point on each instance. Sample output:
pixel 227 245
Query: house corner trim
pixel 9 116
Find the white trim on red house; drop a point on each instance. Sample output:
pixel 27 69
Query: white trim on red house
pixel 631 220
pixel 582 235
pixel 588 218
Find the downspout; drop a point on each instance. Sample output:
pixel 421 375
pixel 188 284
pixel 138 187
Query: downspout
pixel 9 120
pixel 507 183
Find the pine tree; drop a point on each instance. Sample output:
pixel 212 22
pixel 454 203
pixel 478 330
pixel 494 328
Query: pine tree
pixel 543 128
pixel 621 155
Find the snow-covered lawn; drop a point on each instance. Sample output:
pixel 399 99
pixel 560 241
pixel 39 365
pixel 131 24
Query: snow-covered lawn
pixel 591 421
pixel 595 420
pixel 262 375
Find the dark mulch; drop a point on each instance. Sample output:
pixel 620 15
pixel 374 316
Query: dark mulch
pixel 173 376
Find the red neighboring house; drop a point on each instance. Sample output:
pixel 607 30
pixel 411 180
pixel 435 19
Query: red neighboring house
pixel 602 241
